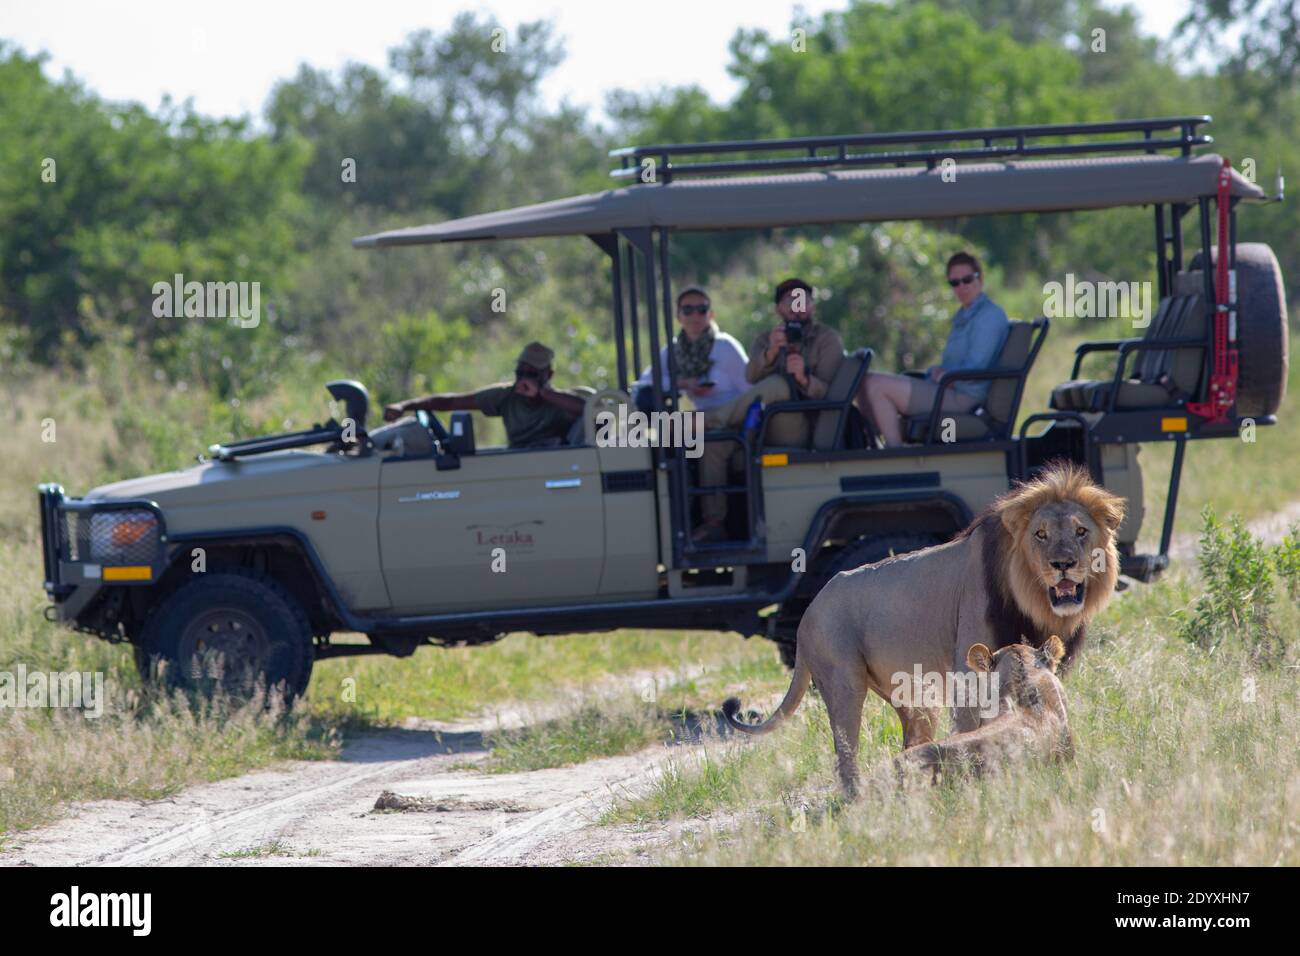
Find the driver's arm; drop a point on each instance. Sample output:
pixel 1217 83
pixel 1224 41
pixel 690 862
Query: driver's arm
pixel 448 402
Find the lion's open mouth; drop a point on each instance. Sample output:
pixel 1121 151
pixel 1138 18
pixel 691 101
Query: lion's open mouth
pixel 1066 592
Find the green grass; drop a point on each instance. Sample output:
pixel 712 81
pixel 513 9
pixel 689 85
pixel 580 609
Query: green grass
pixel 449 683
pixel 274 848
pixel 1184 758
pixel 589 733
pixel 627 722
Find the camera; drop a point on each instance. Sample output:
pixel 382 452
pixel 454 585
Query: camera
pixel 794 333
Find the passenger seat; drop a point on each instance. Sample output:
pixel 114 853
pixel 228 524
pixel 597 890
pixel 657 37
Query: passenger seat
pixel 1159 378
pixel 994 418
pixel 843 388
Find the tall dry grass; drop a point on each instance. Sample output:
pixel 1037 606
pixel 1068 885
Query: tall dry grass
pixel 1184 758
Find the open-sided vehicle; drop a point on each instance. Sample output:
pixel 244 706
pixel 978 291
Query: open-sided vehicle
pixel 414 535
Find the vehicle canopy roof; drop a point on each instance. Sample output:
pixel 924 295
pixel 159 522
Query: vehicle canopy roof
pixel 747 194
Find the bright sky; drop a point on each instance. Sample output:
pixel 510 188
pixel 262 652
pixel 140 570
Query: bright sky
pixel 227 55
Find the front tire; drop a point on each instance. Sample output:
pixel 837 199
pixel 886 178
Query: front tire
pixel 228 630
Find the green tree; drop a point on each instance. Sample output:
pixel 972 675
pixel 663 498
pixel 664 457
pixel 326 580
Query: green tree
pixel 103 201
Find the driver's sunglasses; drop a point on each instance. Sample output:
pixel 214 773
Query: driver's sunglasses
pixel 964 280
pixel 526 371
pixel 694 309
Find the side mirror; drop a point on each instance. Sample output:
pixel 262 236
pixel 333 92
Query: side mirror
pixel 461 434
pixel 355 399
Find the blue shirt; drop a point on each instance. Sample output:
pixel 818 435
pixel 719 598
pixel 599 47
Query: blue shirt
pixel 978 333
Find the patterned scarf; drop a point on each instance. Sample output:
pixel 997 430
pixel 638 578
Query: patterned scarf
pixel 692 358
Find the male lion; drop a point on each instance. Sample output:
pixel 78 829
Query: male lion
pixel 1031 719
pixel 1041 560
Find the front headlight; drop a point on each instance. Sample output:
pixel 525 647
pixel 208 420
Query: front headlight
pixel 123 537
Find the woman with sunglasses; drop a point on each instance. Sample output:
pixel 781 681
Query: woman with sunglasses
pixel 710 363
pixel 979 328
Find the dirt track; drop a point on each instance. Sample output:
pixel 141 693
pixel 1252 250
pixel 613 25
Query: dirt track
pixel 323 812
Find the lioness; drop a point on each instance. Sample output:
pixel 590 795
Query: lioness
pixel 1031 719
pixel 1041 560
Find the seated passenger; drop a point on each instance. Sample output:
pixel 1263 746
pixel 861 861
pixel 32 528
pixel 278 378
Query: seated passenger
pixel 797 359
pixel 535 415
pixel 710 363
pixel 979 329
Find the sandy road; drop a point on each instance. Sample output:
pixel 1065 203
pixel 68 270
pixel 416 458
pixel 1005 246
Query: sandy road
pixel 305 813
pixel 323 813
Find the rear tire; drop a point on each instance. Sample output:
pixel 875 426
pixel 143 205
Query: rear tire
pixel 228 630
pixel 1261 329
pixel 866 550
pixel 876 548
pixel 787 650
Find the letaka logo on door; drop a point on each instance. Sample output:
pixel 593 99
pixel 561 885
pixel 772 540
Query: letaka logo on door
pixel 518 536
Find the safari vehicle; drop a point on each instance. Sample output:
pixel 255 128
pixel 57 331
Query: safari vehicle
pixel 411 534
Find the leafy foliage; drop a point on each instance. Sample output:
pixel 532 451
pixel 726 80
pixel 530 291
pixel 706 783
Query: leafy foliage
pixel 453 128
pixel 127 199
pixel 1237 601
pixel 1286 557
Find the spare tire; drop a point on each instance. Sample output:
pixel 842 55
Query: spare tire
pixel 1261 329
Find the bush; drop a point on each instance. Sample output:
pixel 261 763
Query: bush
pixel 1236 605
pixel 1286 556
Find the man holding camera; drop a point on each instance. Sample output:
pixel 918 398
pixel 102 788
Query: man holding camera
pixel 800 350
pixel 535 415
pixel 795 360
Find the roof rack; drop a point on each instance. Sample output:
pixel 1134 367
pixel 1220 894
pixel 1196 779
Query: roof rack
pixel 904 149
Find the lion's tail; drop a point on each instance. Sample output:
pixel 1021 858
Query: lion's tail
pixel 798 687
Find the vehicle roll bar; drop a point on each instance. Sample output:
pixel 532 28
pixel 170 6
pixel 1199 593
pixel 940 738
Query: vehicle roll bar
pixel 901 149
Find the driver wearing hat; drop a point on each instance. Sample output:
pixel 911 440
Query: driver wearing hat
pixel 535 414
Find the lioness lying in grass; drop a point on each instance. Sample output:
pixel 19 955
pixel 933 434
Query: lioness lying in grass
pixel 1031 721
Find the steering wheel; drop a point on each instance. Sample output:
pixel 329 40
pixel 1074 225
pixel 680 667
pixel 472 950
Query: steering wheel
pixel 430 422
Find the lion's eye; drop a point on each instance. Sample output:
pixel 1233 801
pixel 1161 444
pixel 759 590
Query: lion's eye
pixel 1041 535
pixel 1080 531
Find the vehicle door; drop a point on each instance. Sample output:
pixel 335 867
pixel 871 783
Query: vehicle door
pixel 508 528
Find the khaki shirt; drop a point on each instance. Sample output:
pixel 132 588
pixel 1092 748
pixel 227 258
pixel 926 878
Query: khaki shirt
pixel 528 423
pixel 822 350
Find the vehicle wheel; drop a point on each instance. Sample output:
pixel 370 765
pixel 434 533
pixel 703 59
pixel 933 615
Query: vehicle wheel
pixel 876 548
pixel 863 551
pixel 228 630
pixel 787 651
pixel 1261 329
